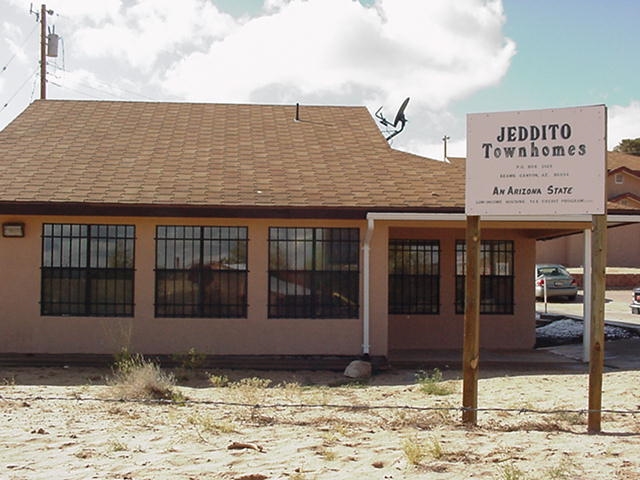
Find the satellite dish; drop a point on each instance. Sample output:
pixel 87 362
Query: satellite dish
pixel 399 119
pixel 400 115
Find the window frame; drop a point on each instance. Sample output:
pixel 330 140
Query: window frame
pixel 206 242
pixel 305 263
pixel 492 281
pixel 415 278
pixel 75 267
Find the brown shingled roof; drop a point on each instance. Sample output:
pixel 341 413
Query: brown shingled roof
pixel 626 201
pixel 617 160
pixel 222 155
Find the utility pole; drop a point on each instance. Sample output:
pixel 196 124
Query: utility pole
pixel 43 48
pixel 43 52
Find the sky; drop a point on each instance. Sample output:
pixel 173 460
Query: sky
pixel 450 57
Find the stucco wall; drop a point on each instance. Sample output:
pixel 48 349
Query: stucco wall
pixel 623 248
pixel 629 184
pixel 445 330
pixel 24 330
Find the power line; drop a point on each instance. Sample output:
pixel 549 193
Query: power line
pixel 22 45
pixel 33 88
pixel 64 87
pixel 110 93
pixel 136 93
pixel 105 94
pixel 18 90
pixel 119 89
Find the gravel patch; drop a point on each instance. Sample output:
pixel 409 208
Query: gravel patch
pixel 565 331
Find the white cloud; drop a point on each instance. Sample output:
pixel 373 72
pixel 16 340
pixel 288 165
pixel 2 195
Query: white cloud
pixel 93 11
pixel 623 122
pixel 14 38
pixel 143 32
pixel 272 6
pixel 434 51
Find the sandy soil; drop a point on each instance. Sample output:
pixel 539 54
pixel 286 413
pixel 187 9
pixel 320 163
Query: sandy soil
pixel 72 424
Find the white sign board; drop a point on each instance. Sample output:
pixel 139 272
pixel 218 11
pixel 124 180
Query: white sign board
pixel 537 162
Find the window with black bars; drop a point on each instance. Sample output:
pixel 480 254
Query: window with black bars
pixel 496 276
pixel 201 271
pixel 87 270
pixel 414 276
pixel 314 272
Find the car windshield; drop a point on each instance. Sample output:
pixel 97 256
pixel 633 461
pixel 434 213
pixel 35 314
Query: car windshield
pixel 553 271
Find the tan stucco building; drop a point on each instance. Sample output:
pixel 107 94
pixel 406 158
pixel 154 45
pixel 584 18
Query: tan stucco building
pixel 243 230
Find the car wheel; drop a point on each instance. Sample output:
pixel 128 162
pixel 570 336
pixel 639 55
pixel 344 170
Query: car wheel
pixel 635 310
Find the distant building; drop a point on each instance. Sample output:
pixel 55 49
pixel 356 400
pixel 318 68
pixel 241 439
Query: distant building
pixel 623 241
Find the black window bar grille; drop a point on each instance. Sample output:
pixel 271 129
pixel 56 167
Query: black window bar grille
pixel 496 276
pixel 414 276
pixel 201 271
pixel 314 272
pixel 87 270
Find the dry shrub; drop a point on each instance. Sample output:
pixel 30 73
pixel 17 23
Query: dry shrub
pixel 219 380
pixel 190 360
pixel 432 383
pixel 137 378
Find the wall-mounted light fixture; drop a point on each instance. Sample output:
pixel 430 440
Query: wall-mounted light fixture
pixel 14 229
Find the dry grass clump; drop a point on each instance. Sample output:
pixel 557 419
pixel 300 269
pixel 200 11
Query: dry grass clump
pixel 137 378
pixel 219 380
pixel 210 424
pixel 511 472
pixel 190 360
pixel 433 383
pixel 414 451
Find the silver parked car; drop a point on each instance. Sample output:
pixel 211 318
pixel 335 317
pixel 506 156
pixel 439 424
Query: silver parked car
pixel 557 281
pixel 635 301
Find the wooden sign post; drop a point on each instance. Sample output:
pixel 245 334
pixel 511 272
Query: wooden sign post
pixel 471 347
pixel 598 285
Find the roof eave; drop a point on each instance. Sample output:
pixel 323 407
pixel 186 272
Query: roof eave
pixel 218 211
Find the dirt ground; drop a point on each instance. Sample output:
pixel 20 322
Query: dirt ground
pixel 70 423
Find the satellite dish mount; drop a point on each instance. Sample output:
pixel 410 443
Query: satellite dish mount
pixel 399 119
